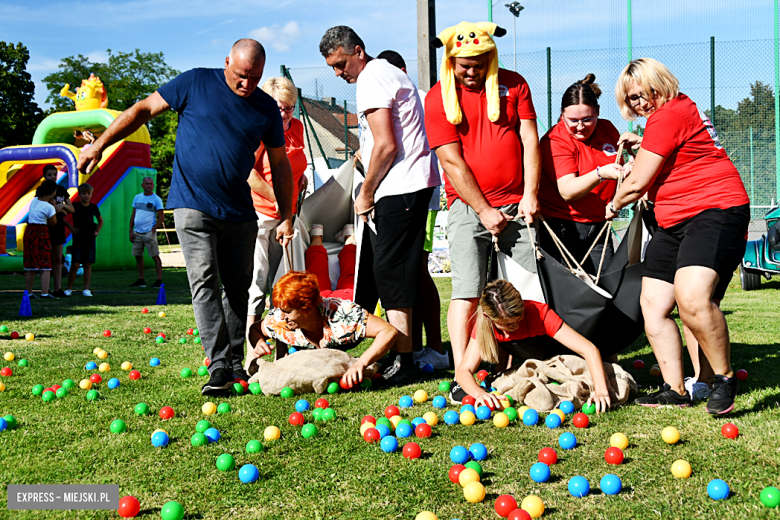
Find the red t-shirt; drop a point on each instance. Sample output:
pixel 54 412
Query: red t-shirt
pixel 538 320
pixel 697 174
pixel 563 155
pixel 293 141
pixel 493 151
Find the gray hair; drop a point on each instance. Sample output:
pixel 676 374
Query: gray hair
pixel 340 36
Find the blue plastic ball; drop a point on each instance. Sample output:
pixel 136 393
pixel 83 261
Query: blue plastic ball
pixel 483 413
pixel 301 405
pixel 417 421
pixel 389 444
pixel 717 489
pixel 427 368
pixel 451 417
pixel 478 451
pixel 160 440
pixel 405 402
pixel 154 362
pixel 403 431
pixel 483 385
pixel 248 474
pixel 610 484
pixel 530 417
pixel 552 421
pixel 3 424
pixel 383 430
pixel 540 472
pixel 567 441
pixel 566 407
pixel 579 487
pixel 292 350
pixel 212 435
pixel 439 402
pixel 91 365
pixel 113 383
pixel 459 455
pixel 468 408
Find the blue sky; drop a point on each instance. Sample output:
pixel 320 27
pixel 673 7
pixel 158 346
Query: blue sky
pixel 197 33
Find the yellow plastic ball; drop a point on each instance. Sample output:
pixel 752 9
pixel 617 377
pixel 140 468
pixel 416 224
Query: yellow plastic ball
pixel 500 420
pixel 127 366
pixel 96 350
pixel 420 396
pixel 522 409
pixel 104 367
pixel 85 384
pixel 208 408
pixel 159 430
pixel 474 492
pixel 394 420
pixel 505 403
pixel 670 435
pixel 161 314
pixel 2 387
pixel 467 476
pixel 533 505
pixel 366 426
pixel 467 418
pixel 560 414
pixel 495 392
pixel 619 440
pixel 681 469
pixel 426 515
pixel 29 336
pixel 655 371
pixel 9 356
pixel 102 354
pixel 431 418
pixel 272 433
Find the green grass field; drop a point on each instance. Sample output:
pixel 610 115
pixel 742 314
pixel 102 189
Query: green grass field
pixel 338 475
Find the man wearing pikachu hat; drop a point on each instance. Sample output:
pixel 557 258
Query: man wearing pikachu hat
pixel 481 122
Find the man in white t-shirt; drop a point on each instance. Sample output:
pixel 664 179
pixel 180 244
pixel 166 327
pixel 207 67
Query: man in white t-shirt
pixel 399 181
pixel 146 217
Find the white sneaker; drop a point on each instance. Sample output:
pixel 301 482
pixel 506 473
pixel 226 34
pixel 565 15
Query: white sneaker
pixel 316 230
pixel 698 390
pixel 87 292
pixel 346 231
pixel 430 356
pixel 67 292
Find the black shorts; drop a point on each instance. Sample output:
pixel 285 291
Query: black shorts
pixel 83 251
pixel 578 237
pixel 57 231
pixel 715 238
pixel 397 246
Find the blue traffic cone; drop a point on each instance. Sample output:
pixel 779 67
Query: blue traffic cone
pixel 25 309
pixel 161 296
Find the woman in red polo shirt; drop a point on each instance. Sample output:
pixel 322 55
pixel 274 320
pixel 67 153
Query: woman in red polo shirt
pixel 703 213
pixel 579 176
pixel 508 325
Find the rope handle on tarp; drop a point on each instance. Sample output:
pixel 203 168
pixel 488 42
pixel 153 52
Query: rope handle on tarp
pixel 289 264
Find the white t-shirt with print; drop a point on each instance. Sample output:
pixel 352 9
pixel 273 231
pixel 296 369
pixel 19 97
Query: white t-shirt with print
pixel 382 85
pixel 40 212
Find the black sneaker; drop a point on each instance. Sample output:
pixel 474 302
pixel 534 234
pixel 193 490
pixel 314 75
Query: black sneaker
pixel 139 283
pixel 59 294
pixel 665 396
pixel 724 390
pixel 398 374
pixel 240 373
pixel 457 393
pixel 157 284
pixel 220 382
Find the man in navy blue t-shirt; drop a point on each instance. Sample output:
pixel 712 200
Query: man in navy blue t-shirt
pixel 223 118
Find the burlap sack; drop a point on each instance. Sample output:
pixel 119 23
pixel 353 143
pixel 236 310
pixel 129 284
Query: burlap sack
pixel 530 383
pixel 305 371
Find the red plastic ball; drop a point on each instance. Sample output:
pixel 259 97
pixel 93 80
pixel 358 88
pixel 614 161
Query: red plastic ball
pixel 730 431
pixel 376 376
pixel 5 372
pixel 162 335
pixel 166 412
pixel 580 420
pixel 56 387
pixel 482 375
pixel 190 331
pixel 321 403
pixel 371 435
pixel 423 431
pixel 548 456
pixel 454 473
pixel 129 507
pixel 490 405
pixel 392 411
pixel 412 450
pixel 344 384
pixel 243 384
pixel 613 455
pixel 207 361
pixel 147 330
pixel 505 504
pixel 742 374
pixel 368 418
pixel 519 514
pixel 14 335
pixel 469 400
pixel 296 419
pixel 639 364
pixel 47 390
pixel 134 375
pixel 96 378
pixel 144 311
pixel 107 333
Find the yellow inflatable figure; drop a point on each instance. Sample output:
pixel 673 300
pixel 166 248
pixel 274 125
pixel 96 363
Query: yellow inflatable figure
pixel 89 96
pixel 467 40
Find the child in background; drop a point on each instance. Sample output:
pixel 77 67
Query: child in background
pixel 85 232
pixel 67 261
pixel 37 244
pixel 63 206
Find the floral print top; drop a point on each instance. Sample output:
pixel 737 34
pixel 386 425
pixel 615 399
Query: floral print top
pixel 345 322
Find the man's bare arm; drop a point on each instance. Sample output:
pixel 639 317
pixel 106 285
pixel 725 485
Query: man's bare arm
pixel 382 156
pixel 282 180
pixel 532 167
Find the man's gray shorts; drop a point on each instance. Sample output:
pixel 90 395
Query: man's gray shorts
pixel 470 245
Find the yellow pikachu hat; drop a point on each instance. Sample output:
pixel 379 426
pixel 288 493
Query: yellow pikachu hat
pixel 464 41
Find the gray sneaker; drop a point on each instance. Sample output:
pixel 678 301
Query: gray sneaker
pixel 698 390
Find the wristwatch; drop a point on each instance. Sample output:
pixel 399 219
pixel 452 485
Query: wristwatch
pixel 601 179
pixel 611 207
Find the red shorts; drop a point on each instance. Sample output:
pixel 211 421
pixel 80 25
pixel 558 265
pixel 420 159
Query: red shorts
pixel 37 248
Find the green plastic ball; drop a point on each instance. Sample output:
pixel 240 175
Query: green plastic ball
pixel 202 426
pixel 159 340
pixel 224 408
pixel 226 462
pixel 366 384
pixel 328 414
pixel 92 395
pixel 23 363
pixel 69 384
pixel 556 383
pixel 255 388
pixel 3 328
pixel 203 370
pixel 195 332
pixel 308 431
pixel 37 390
pixel 510 399
pixel 770 497
pixel 511 413
pixel 404 421
pixel 62 392
pixel 386 422
pixel 117 426
pixel 444 386
pixel 141 409
pixel 196 341
pixel 198 439
pixel 10 421
pixel 172 511
pixel 473 464
pixel 333 387
pixel 254 446
pixel 185 373
pixel 238 389
pixel 48 396
pixel 182 340
pixel 317 414
pixel 589 409
pixel 287 392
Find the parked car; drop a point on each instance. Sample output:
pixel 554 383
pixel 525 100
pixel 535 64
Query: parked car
pixel 762 256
